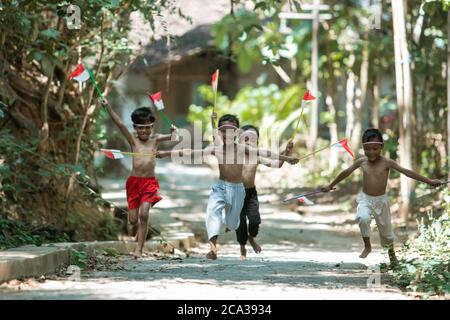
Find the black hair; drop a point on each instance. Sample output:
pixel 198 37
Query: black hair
pixel 371 134
pixel 229 118
pixel 142 115
pixel 250 127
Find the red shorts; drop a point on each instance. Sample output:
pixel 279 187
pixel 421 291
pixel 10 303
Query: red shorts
pixel 141 189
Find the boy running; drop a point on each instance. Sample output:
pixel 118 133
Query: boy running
pixel 141 186
pixel 373 200
pixel 227 194
pixel 250 210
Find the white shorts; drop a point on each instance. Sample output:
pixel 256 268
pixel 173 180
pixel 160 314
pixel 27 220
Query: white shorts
pixel 224 206
pixel 379 208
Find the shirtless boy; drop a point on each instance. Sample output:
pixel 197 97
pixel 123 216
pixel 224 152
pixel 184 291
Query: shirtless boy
pixel 227 194
pixel 141 186
pixel 250 211
pixel 373 200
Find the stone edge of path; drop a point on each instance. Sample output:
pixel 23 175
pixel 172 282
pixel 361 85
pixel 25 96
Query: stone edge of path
pixel 33 261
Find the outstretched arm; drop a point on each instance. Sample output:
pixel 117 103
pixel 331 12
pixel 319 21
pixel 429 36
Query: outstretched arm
pixel 116 119
pixel 413 175
pixel 269 154
pixel 344 174
pixel 277 163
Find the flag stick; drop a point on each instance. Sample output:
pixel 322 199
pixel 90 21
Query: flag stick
pixel 298 121
pixel 321 149
pixel 137 153
pixel 305 195
pixel 95 83
pixel 165 118
pixel 132 153
pixel 314 152
pixel 215 90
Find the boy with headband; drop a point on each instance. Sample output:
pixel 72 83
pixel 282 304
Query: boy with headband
pixel 141 186
pixel 226 198
pixel 373 201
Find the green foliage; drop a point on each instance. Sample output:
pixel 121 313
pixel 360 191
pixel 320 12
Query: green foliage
pixel 274 110
pixel 79 258
pixel 15 233
pixel 424 263
pixel 111 252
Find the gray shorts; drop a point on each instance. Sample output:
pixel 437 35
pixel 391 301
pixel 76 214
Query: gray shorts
pixel 224 206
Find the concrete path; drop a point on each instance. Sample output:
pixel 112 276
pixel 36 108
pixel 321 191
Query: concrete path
pixel 308 255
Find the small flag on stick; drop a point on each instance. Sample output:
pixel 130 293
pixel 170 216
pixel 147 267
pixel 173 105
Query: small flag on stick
pixel 112 153
pixel 306 98
pixel 156 98
pixel 117 154
pixel 215 85
pixel 82 73
pixel 344 144
pixel 305 200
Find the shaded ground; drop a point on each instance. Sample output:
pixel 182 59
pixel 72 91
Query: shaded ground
pixel 307 255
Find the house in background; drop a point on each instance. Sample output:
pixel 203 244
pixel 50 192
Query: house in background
pixel 189 63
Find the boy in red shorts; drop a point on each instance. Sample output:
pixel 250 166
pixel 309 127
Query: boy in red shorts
pixel 141 186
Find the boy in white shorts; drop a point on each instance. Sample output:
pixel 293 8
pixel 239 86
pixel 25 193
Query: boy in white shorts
pixel 228 193
pixel 373 201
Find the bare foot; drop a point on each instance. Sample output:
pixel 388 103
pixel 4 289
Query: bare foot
pixel 365 252
pixel 256 247
pixel 137 253
pixel 243 253
pixel 393 259
pixel 211 255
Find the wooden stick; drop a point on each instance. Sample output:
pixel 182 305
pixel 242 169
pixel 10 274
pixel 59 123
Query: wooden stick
pixel 298 121
pixel 306 194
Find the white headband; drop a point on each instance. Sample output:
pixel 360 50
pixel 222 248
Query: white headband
pixel 373 142
pixel 249 131
pixel 228 126
pixel 142 125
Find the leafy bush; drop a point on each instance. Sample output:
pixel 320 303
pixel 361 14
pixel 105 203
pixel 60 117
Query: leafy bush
pixel 274 110
pixel 424 263
pixel 14 233
pixel 79 258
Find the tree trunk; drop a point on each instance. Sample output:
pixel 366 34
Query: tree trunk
pixel 376 102
pixel 448 90
pixel 405 102
pixel 360 103
pixel 349 97
pixel 314 125
pixel 331 92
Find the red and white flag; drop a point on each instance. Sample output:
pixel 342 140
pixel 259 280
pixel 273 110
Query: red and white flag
pixel 157 100
pixel 305 200
pixel 80 73
pixel 112 154
pixel 308 96
pixel 344 144
pixel 215 80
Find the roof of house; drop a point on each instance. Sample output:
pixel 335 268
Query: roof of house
pixel 191 43
pixel 190 37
